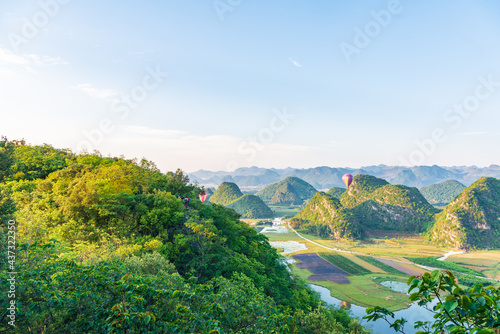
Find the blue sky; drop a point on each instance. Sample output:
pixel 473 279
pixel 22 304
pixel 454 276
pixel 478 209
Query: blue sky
pixel 272 84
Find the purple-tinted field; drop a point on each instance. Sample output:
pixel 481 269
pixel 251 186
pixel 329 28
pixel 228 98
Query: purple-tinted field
pixel 399 267
pixel 322 269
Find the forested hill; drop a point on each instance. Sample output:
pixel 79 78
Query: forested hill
pixel 291 190
pixel 325 216
pixel 472 220
pixel 440 194
pixel 107 245
pixel 383 206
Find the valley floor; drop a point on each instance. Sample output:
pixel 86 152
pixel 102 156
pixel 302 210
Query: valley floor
pixel 374 266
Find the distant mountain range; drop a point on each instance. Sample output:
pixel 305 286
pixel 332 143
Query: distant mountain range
pixel 324 178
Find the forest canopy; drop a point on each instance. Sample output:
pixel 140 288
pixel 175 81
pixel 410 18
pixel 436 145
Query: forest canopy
pixel 107 244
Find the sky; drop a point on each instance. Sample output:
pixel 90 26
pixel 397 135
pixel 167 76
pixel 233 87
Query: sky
pixel 222 84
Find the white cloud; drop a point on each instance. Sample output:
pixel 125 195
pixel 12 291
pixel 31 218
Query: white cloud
pixel 29 62
pixel 106 94
pixel 295 63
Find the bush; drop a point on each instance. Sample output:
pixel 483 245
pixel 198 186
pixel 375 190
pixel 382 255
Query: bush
pixel 149 263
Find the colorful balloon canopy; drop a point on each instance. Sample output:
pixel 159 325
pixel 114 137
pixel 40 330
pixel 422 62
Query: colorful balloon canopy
pixel 345 305
pixel 347 178
pixel 203 197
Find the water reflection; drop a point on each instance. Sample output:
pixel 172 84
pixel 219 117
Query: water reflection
pixel 412 314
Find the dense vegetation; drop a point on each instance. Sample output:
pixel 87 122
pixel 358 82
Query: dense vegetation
pixel 336 192
pixel 251 206
pixel 106 245
pixel 388 269
pixel 383 206
pixel 226 193
pixel 300 187
pixel 285 195
pixel 325 216
pixel 344 263
pixel 459 311
pixel 471 220
pixel 248 206
pixel 441 194
pixel 434 263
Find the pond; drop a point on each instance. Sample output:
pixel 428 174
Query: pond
pixel 396 286
pixel 412 313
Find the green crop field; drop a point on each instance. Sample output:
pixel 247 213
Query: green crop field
pixel 364 290
pixel 344 263
pixel 433 262
pixel 378 264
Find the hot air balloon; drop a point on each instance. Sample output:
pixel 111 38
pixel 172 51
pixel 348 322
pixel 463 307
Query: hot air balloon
pixel 203 196
pixel 345 305
pixel 347 178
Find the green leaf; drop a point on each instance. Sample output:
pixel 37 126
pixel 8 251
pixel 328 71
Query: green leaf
pixel 465 301
pixel 451 305
pixel 435 275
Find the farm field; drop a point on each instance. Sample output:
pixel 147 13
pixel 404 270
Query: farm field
pixel 486 262
pixel 363 290
pixel 368 263
pixel 284 211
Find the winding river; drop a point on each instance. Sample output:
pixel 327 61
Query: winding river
pixel 412 314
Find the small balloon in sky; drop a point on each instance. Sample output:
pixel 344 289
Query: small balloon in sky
pixel 347 178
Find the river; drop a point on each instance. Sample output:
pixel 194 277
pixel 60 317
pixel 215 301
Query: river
pixel 412 314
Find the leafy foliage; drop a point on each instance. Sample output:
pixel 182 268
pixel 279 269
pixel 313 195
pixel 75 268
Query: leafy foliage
pixel 108 246
pixel 458 311
pixel 440 194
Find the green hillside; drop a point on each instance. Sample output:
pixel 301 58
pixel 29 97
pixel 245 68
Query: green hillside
pixel 251 206
pixel 300 187
pixel 336 192
pixel 325 216
pixel 108 246
pixel 440 194
pixel 383 206
pixel 285 195
pixel 226 193
pixel 472 220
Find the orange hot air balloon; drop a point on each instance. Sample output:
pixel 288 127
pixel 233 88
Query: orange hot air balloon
pixel 347 178
pixel 203 196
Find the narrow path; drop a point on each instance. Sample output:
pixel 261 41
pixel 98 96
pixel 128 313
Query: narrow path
pixel 450 253
pixel 332 249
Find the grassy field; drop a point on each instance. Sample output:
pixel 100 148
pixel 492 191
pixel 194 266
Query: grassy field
pixel 487 262
pixel 344 263
pixel 364 290
pixel 282 211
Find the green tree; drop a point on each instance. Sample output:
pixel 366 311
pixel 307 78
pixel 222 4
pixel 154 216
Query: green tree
pixel 458 311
